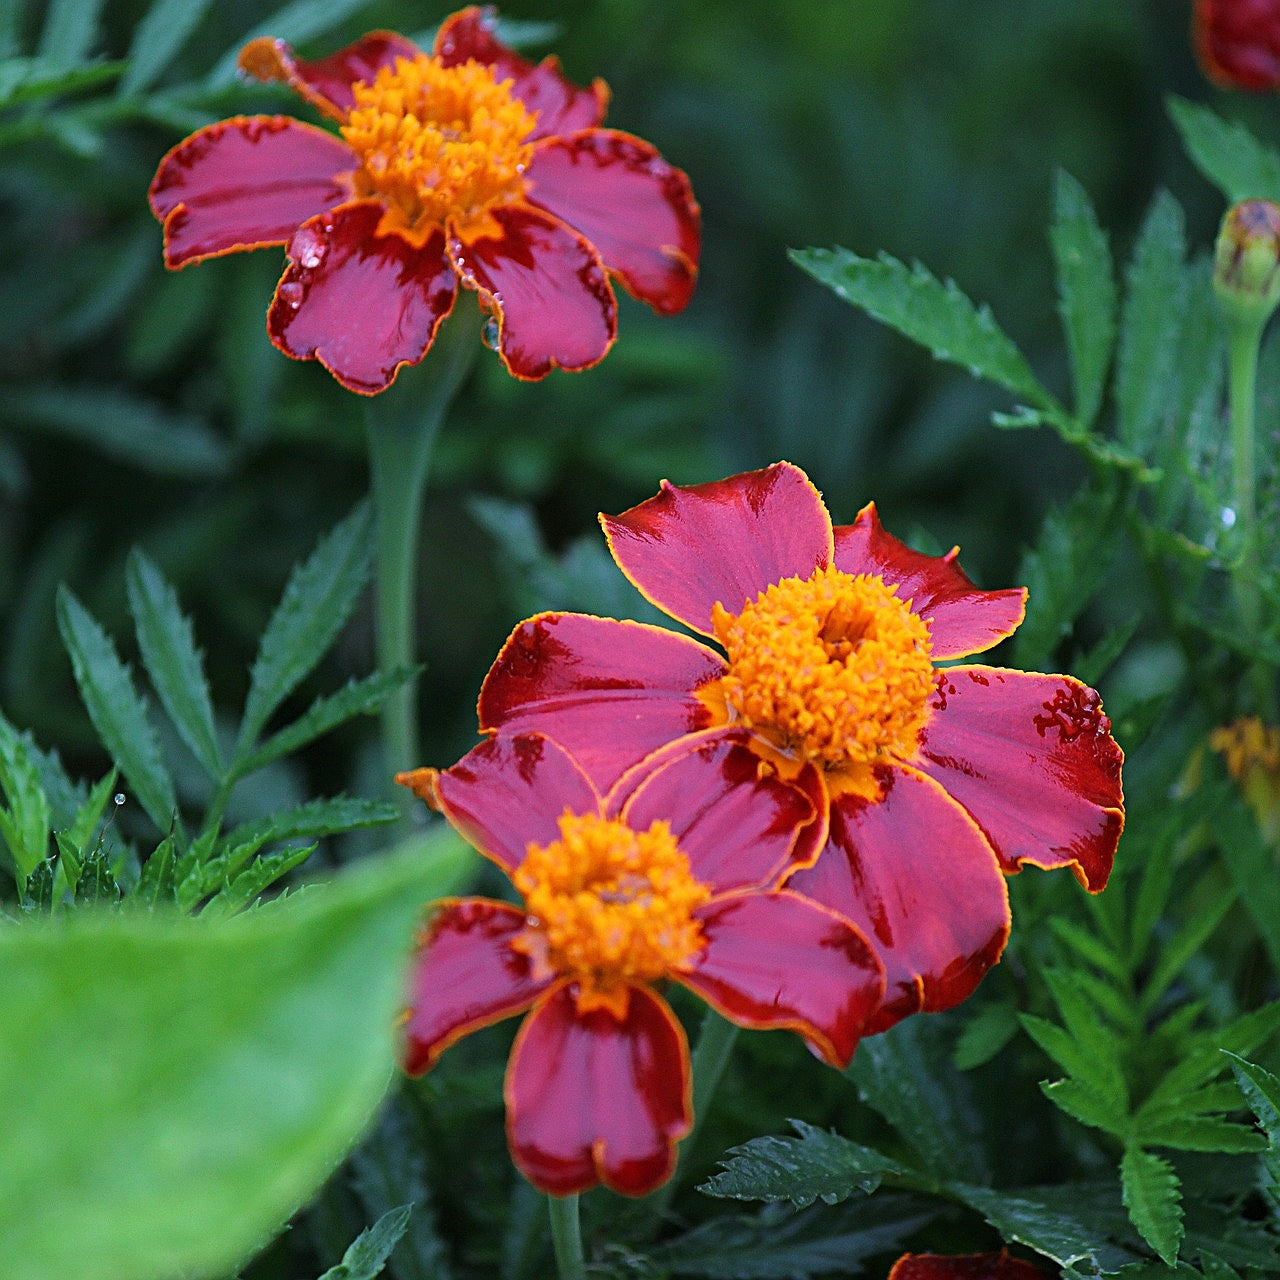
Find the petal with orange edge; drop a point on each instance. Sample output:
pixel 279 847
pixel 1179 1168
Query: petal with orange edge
pixel 1031 757
pixel 610 692
pixel 361 303
pixel 914 873
pixel 465 976
pixel 593 1099
pixel 510 791
pixel 693 546
pixel 962 618
pixel 739 826
pixel 326 83
pixel 636 209
pixel 780 960
pixel 545 284
pixel 244 183
pixel 561 106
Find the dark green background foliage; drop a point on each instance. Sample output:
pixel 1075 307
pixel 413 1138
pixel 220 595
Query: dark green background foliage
pixel 187 484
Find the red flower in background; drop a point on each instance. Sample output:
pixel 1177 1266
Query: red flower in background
pixel 963 1266
pixel 467 166
pixel 936 783
pixel 669 876
pixel 1238 42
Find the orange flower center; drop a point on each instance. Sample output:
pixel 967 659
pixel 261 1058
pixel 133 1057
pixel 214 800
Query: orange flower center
pixel 832 669
pixel 610 907
pixel 438 142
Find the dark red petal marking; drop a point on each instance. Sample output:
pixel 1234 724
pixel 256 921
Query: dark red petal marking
pixel 361 303
pixel 691 547
pixel 915 874
pixel 244 183
pixel 465 976
pixel 636 209
pixel 962 618
pixel 547 287
pixel 561 106
pixel 591 1099
pixel 510 791
pixel 610 692
pixel 1031 757
pixel 1238 42
pixel 326 83
pixel 779 960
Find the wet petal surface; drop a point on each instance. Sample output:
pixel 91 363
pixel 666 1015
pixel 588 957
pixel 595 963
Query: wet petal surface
pixel 592 1099
pixel 244 183
pixel 690 547
pixel 361 303
pixel 779 960
pixel 962 619
pixel 1032 759
pixel 636 209
pixel 465 976
pixel 610 692
pixel 915 874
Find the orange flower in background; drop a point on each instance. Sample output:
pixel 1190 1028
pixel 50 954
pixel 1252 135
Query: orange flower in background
pixel 963 1266
pixel 1238 42
pixel 466 166
pixel 936 781
pixel 669 876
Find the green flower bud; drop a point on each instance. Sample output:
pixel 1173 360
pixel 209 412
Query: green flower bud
pixel 1246 261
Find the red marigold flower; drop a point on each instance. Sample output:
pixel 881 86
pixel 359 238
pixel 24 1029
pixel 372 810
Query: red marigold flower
pixel 963 1266
pixel 1238 42
pixel 937 781
pixel 465 166
pixel 670 875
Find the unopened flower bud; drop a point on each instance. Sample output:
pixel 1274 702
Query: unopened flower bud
pixel 1246 263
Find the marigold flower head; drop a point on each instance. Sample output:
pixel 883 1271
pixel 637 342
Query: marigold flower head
pixel 1251 751
pixel 963 1266
pixel 935 782
pixel 672 875
pixel 466 166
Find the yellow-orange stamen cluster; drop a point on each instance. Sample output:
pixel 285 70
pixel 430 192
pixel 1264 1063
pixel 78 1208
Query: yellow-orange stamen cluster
pixel 438 142
pixel 832 669
pixel 610 907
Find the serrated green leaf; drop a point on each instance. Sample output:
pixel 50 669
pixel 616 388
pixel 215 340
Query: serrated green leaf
pixel 815 1165
pixel 1226 153
pixel 1149 324
pixel 317 600
pixel 1153 1195
pixel 934 313
pixel 174 664
pixel 70 31
pixel 1080 1101
pixel 25 824
pixel 1092 948
pixel 1199 1133
pixel 985 1033
pixel 90 812
pixel 370 1250
pixel 189 1158
pixel 1176 952
pixel 1100 1048
pixel 1092 1066
pixel 96 881
pixel 164 29
pixel 252 882
pixel 155 884
pixel 315 818
pixel 1086 293
pixel 118 713
pixel 1261 1090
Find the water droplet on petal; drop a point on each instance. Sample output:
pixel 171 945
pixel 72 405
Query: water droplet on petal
pixel 308 248
pixel 490 333
pixel 291 293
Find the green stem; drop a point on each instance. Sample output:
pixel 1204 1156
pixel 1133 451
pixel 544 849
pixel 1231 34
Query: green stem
pixel 402 425
pixel 566 1237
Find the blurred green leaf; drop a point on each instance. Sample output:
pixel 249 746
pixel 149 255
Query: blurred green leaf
pixel 1261 1089
pixel 1226 153
pixel 70 30
pixel 315 818
pixel 118 713
pixel 164 29
pixel 372 1247
pixel 29 79
pixel 1153 1196
pixel 277 1038
pixel 298 22
pixel 1201 1133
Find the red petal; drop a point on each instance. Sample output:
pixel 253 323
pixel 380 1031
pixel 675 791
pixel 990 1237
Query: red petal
pixel 691 547
pixel 610 692
pixel 1031 757
pixel 361 303
pixel 962 619
pixel 591 1099
pixel 739 828
pixel 779 960
pixel 963 1266
pixel 561 107
pixel 244 183
pixel 326 84
pixel 636 209
pixel 1238 42
pixel 915 874
pixel 547 287
pixel 510 791
pixel 465 976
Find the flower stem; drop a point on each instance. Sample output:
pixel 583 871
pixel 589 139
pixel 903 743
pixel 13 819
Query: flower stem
pixel 402 425
pixel 566 1237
